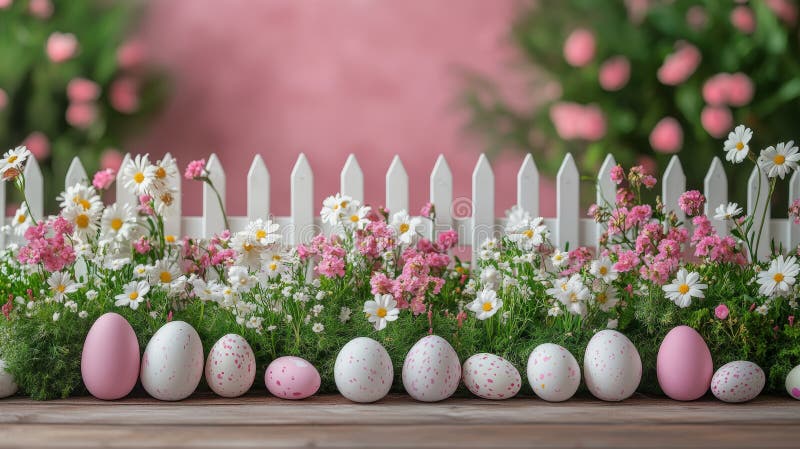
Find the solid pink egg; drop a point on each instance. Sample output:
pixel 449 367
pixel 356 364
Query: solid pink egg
pixel 684 365
pixel 291 378
pixel 110 358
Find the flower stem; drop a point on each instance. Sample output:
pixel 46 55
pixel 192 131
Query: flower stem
pixel 219 201
pixel 764 214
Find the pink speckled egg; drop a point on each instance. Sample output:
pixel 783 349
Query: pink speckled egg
pixel 8 386
pixel 172 364
pixel 431 371
pixel 110 358
pixel 684 364
pixel 738 381
pixel 491 377
pixel 363 371
pixel 230 366
pixel 553 372
pixel 611 366
pixel 292 378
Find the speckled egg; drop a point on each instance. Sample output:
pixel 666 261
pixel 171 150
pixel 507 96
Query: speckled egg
pixel 230 366
pixel 553 372
pixel 172 364
pixel 612 367
pixel 738 381
pixel 684 364
pixel 793 382
pixel 292 378
pixel 363 370
pixel 110 358
pixel 491 377
pixel 431 371
pixel 7 384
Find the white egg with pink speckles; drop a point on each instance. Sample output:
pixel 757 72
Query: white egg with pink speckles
pixel 7 385
pixel 231 366
pixel 172 364
pixel 738 381
pixel 431 371
pixel 290 377
pixel 363 370
pixel 611 366
pixel 553 372
pixel 491 377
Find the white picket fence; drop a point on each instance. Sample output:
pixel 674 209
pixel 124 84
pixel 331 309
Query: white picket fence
pixel 570 226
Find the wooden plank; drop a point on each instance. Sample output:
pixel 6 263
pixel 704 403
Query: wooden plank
pixel 213 214
pixel 606 190
pixel 352 179
pixel 258 190
pixel 756 205
pixel 567 204
pixel 674 185
pixel 302 202
pixel 441 190
pixel 483 222
pixel 715 185
pixel 75 174
pixel 397 187
pixel 528 186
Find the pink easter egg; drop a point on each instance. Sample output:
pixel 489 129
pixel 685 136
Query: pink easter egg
pixel 110 358
pixel 230 366
pixel 431 370
pixel 738 381
pixel 491 377
pixel 292 378
pixel 684 365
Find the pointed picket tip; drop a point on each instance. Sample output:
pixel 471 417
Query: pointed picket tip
pixel 608 164
pixel 396 168
pixel 351 179
pixel 674 168
pixel 168 157
pixel 441 168
pixel 482 166
pixel 301 167
pixel 75 173
pixel 32 168
pixel 213 162
pixel 568 167
pixel 528 166
pixel 258 189
pixel 528 186
pixel 257 167
pixel 715 170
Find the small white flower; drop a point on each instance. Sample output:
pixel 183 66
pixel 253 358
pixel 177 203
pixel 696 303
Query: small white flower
pixel 485 304
pixel 133 294
pixel 263 232
pixel 559 258
pixel 81 196
pixel 381 310
pixel 71 305
pixel 603 268
pixel 529 234
pixel 141 271
pixel 117 222
pixel 736 147
pixel 61 284
pixel 725 212
pixel 333 208
pixel 606 298
pixel 254 322
pixel 515 216
pixel 163 272
pixel 241 280
pixel 22 220
pixel 685 287
pixel 205 291
pixel 612 324
pixel 83 314
pixel 317 328
pixel 317 309
pixel 13 161
pixel 763 309
pixel 56 316
pixel 271 327
pixel 344 314
pixel 490 277
pixel 575 296
pixel 272 264
pixel 780 159
pixel 554 311
pixel 779 279
pixel 405 226
pixel 355 216
pixel 136 175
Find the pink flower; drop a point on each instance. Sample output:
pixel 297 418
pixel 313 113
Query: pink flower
pixel 131 54
pixel 715 89
pixel 617 174
pixel 142 245
pixel 743 19
pixel 47 245
pixel 38 144
pixel 579 47
pixel 82 90
pixel 103 179
pixel 794 211
pixel 144 205
pixel 448 239
pixel 667 136
pixel 692 202
pixel 791 320
pixel 111 158
pixel 717 120
pixel 740 89
pixel 786 10
pixel 594 123
pixel 124 95
pixel 614 73
pixel 61 47
pixel 195 169
pixel 575 121
pixel 721 312
pixel 81 115
pixel 628 260
pixel 41 9
pixel 680 65
pixel 5 4
pixel 3 99
pixel 427 209
pixel 696 17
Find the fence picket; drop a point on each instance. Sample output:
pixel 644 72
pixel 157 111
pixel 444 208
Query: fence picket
pixel 482 204
pixel 606 190
pixel 34 188
pixel 442 195
pixel 716 191
pixel 674 184
pixel 351 180
pixel 172 216
pixel 213 221
pixel 528 186
pixel 302 202
pixel 396 186
pixel 567 204
pixel 123 195
pixel 258 188
pixel 75 173
pixel 793 230
pixel 756 205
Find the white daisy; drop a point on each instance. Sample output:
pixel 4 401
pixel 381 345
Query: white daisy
pixel 779 279
pixel 603 268
pixel 355 216
pixel 333 207
pixel 575 296
pixel 205 291
pixel 606 298
pixel 263 232
pixel 241 280
pixel 61 284
pixel 529 234
pixel 163 273
pixel 685 287
pixel 248 252
pixel 141 271
pixel 162 172
pixel 81 196
pixel 490 277
pixel 13 162
pixel 273 265
pixel 516 216
pixel 728 211
pixel 85 222
pixel 381 310
pixel 137 177
pixel 133 294
pixel 117 222
pixel 736 147
pixel 318 327
pixel 22 220
pixel 559 258
pixel 485 304
pixel 405 226
pixel 780 159
pixel 344 314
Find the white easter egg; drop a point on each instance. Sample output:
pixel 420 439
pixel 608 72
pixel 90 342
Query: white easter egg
pixel 793 382
pixel 612 367
pixel 738 381
pixel 172 364
pixel 553 372
pixel 363 370
pixel 7 384
pixel 491 377
pixel 231 366
pixel 431 371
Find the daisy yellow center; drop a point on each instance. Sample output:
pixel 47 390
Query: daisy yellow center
pixel 165 277
pixel 21 219
pixel 528 233
pixel 276 257
pixel 487 307
pixel 603 270
pixel 381 312
pixel 573 297
pixel 779 159
pixel 354 218
pixel 247 247
pixel 345 204
pixel 683 289
pixel 116 224
pixel 60 288
pixel 260 234
pixel 273 266
pixel 778 277
pixel 739 146
pixel 82 221
pixel 170 238
pixel 601 298
pixel 138 177
pixel 11 159
pixel 404 228
pixel 161 173
pixel 134 296
pixel 559 257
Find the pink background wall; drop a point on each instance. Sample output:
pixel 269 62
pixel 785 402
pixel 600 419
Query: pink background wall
pixel 327 78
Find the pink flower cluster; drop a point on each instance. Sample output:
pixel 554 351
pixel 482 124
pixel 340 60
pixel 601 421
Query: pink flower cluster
pixel 680 65
pixel 47 245
pixel 197 257
pixel 692 202
pixel 330 253
pixel 103 179
pixel 719 92
pixel 577 121
pixel 195 169
pixel 710 246
pixel 794 211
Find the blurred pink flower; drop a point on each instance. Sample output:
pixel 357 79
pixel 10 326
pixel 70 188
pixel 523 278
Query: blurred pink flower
pixel 637 9
pixel 615 73
pixel 740 89
pixel 743 19
pixel 594 123
pixel 696 17
pixel 715 89
pixel 579 47
pixel 721 312
pixel 649 165
pixel 82 90
pixel 111 159
pixel 103 179
pixel 124 95
pixel 3 99
pixel 667 136
pixel 5 4
pixel 786 10
pixel 131 54
pixel 38 144
pixel 717 120
pixel 575 121
pixel 680 65
pixel 81 115
pixel 61 47
pixel 41 9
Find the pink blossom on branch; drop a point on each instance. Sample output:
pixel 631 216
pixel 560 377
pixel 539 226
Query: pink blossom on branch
pixel 103 179
pixel 579 47
pixel 614 73
pixel 667 136
pixel 680 65
pixel 61 47
pixel 716 120
pixel 692 202
pixel 195 169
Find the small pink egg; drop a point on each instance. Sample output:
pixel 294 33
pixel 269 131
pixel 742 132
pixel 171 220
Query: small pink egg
pixel 291 378
pixel 110 358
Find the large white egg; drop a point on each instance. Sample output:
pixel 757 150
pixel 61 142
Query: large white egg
pixel 793 382
pixel 172 364
pixel 231 366
pixel 553 372
pixel 431 371
pixel 738 381
pixel 491 377
pixel 611 366
pixel 7 384
pixel 363 370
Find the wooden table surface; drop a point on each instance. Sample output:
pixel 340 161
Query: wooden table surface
pixel 398 421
